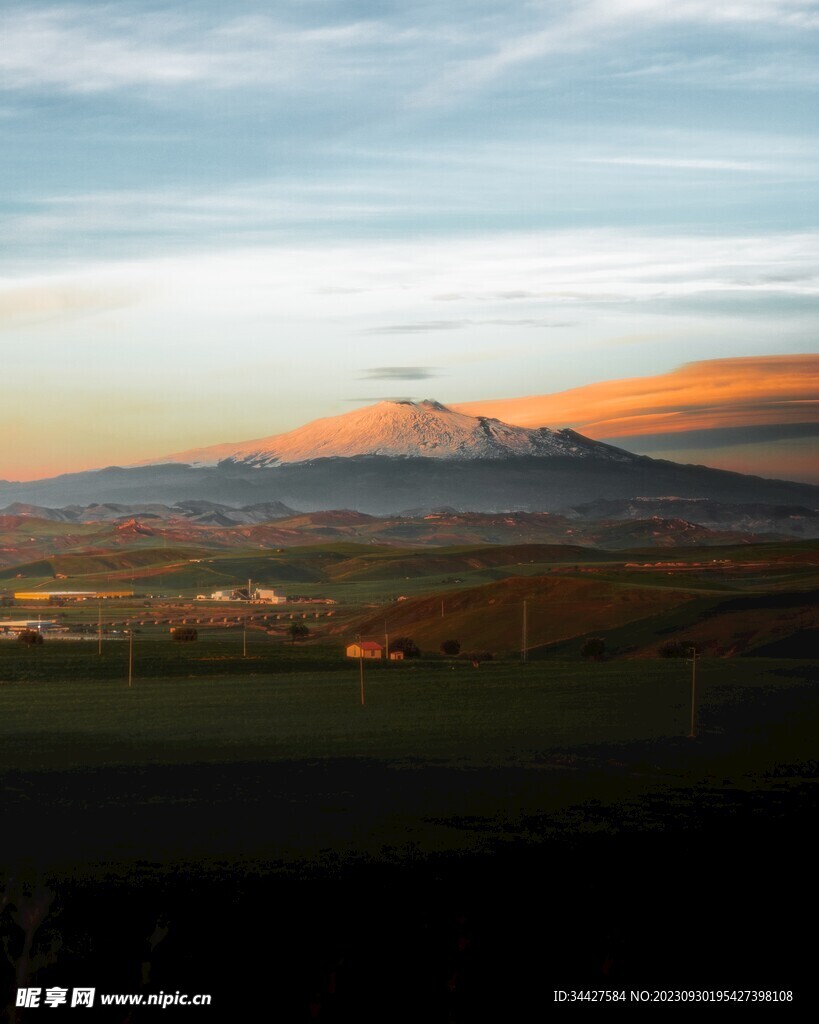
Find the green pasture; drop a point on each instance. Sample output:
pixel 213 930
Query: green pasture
pixel 61 708
pixel 156 656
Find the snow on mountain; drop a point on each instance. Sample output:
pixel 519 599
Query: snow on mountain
pixel 400 429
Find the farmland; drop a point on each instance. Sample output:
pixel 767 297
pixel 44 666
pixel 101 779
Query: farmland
pixel 397 852
pixel 473 594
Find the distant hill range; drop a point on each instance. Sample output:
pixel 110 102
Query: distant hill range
pixel 405 455
pixel 609 525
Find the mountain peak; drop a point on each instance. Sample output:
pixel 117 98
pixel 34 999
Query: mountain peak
pixel 400 428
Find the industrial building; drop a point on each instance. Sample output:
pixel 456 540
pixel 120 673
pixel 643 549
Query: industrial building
pixel 70 595
pixel 262 595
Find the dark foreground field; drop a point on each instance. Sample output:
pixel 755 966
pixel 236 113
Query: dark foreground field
pixel 457 849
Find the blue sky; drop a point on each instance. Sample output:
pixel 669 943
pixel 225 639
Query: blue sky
pixel 222 221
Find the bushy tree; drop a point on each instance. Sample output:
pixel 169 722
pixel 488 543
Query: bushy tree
pixel 451 647
pixel 298 631
pixel 185 634
pixel 407 645
pixel 30 637
pixel 594 647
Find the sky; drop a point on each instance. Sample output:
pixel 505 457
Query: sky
pixel 222 221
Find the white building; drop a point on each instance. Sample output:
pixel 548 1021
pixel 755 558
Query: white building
pixel 269 596
pixel 13 628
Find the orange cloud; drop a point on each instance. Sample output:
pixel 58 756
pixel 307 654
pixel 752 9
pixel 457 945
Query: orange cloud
pixel 740 392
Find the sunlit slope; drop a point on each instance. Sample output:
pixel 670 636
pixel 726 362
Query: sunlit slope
pixel 410 564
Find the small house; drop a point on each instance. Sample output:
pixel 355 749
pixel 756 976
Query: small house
pixel 365 649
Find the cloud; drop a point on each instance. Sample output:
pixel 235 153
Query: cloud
pixel 400 373
pixel 424 326
pixel 87 49
pixel 719 72
pixel 383 398
pixel 193 213
pixel 423 57
pixel 683 163
pixel 723 437
pixel 719 394
pixel 541 273
pixel 575 28
pixel 417 328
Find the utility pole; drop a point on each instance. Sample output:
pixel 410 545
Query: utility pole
pixel 386 642
pixel 244 639
pixel 693 734
pixel 442 607
pixel 99 628
pixel 130 656
pixel 361 668
pixel 523 638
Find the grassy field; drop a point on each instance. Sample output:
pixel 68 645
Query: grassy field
pixel 61 706
pixel 281 764
pixel 447 852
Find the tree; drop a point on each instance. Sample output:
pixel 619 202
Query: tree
pixel 298 631
pixel 184 634
pixel 407 645
pixel 451 647
pixel 594 647
pixel 30 637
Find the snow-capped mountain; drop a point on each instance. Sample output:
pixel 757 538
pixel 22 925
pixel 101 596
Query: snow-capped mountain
pixel 396 455
pixel 400 429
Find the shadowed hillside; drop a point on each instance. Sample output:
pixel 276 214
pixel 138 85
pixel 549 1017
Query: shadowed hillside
pixel 490 617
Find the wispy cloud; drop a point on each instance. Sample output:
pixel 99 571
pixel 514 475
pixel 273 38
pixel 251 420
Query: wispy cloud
pixel 382 398
pixel 400 373
pixel 544 274
pixel 417 328
pixel 432 56
pixel 86 49
pixel 720 71
pixel 586 25
pixel 425 326
pixel 684 163
pixel 150 219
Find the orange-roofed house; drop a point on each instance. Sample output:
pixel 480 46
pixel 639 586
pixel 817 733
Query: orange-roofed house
pixel 365 649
